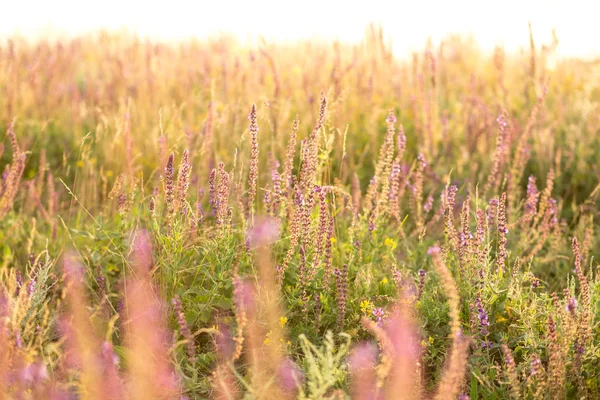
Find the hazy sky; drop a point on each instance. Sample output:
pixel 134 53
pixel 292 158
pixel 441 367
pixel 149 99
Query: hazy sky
pixel 408 23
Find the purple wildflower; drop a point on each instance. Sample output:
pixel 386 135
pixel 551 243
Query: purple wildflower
pixel 378 313
pixel 482 316
pixel 571 305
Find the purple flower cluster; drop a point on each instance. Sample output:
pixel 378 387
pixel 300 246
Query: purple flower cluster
pixel 482 316
pixel 379 313
pixel 571 305
pixel 492 211
pixel 428 204
pixel 536 365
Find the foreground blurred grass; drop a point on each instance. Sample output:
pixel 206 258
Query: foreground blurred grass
pixel 95 120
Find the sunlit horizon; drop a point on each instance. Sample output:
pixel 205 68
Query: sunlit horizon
pixel 407 24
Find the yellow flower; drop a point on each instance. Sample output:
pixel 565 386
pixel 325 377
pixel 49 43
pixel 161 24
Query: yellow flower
pixel 283 321
pixel 333 240
pixel 79 164
pixel 430 340
pixel 384 281
pixel 112 268
pixel 389 242
pixel 500 318
pixel 366 306
pixel 268 339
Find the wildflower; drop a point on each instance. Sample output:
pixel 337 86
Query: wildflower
pixel 492 211
pixel 222 196
pixel 397 275
pixel 587 242
pixel 183 180
pixel 571 305
pixel 499 156
pixel 277 191
pixel 502 232
pixel 382 170
pixel 372 222
pixel 289 155
pixel 169 185
pixel 390 243
pixel 212 191
pixel 535 365
pixel 253 168
pixel 545 198
pixel 267 340
pixel 31 287
pixel 295 235
pixel 342 293
pixel 100 280
pixel 393 196
pixel 449 203
pixel 152 207
pixel 378 313
pixel 428 204
pixel 556 366
pixel 243 300
pixel 303 278
pixel 328 258
pixel 584 332
pixel 282 321
pixel 123 204
pixel 482 316
pixel 366 306
pixel 531 201
pixel 511 372
pixel 387 151
pixel 184 328
pixel 417 192
pixel 422 275
pixel 535 282
pixel 323 219
pixel 310 163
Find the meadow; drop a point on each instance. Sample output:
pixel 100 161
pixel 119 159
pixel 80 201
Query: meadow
pixel 308 220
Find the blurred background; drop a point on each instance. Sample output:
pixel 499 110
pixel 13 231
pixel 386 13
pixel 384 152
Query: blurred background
pixel 408 24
